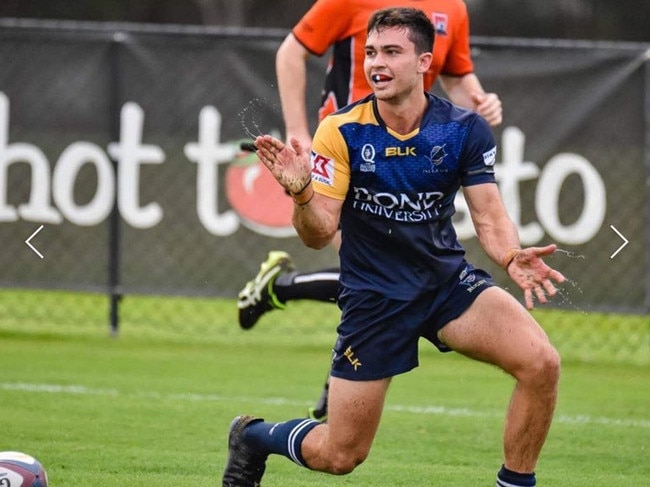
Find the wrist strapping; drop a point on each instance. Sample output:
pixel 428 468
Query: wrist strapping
pixel 303 188
pixel 305 203
pixel 509 256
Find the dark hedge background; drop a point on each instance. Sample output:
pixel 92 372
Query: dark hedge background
pixel 625 20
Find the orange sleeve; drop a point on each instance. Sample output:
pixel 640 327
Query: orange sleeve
pixel 459 59
pixel 322 25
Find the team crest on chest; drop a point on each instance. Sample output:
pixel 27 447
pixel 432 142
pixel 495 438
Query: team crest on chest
pixel 440 23
pixel 437 157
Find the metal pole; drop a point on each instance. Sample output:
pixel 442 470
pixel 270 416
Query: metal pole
pixel 114 218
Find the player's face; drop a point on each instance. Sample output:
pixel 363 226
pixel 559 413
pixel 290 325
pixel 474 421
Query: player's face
pixel 392 67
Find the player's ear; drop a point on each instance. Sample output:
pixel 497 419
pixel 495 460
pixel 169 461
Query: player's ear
pixel 425 60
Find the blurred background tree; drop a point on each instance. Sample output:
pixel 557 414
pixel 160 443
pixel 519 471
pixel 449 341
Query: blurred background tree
pixel 625 20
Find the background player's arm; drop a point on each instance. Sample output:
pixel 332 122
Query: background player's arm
pixel 291 71
pixel 466 91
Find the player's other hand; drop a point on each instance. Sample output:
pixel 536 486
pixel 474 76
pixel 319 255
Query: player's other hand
pixel 488 105
pixel 290 165
pixel 536 278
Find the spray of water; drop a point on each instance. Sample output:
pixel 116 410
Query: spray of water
pixel 569 287
pixel 564 296
pixel 570 254
pixel 252 119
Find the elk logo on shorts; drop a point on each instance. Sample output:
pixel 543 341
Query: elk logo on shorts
pixel 349 354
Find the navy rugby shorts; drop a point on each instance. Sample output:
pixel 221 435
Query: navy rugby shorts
pixel 378 336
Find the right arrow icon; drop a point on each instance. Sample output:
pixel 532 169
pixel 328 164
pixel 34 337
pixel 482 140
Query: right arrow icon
pixel 625 242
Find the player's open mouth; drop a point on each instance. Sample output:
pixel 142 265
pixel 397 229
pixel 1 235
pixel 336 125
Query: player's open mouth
pixel 380 78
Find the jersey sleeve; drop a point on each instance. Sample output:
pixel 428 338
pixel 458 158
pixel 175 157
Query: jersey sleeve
pixel 330 161
pixel 479 154
pixel 323 25
pixel 459 59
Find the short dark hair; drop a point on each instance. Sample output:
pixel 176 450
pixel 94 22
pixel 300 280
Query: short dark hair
pixel 420 29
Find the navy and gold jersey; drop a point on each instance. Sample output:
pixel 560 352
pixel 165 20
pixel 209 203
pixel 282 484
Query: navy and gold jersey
pixel 399 191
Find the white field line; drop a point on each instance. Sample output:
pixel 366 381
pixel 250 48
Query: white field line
pixel 432 410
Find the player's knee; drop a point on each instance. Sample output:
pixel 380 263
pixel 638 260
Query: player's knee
pixel 544 367
pixel 345 461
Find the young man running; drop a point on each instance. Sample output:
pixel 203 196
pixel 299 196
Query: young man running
pixel 341 26
pixel 386 169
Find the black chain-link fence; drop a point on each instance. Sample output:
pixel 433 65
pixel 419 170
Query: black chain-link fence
pixel 122 142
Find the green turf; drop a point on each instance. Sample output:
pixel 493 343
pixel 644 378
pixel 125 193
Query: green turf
pixel 153 405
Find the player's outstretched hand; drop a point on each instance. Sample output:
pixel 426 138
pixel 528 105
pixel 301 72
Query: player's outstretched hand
pixel 536 278
pixel 289 165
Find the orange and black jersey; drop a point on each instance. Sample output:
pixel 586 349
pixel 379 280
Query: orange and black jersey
pixel 342 24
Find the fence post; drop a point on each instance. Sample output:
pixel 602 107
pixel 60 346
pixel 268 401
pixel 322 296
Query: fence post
pixel 114 218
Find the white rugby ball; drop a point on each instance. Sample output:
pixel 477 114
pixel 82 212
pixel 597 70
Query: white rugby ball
pixel 21 470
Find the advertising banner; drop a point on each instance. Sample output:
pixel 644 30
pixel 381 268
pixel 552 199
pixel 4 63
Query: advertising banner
pixel 124 147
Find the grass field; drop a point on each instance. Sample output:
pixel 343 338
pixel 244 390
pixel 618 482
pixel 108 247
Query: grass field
pixel 153 406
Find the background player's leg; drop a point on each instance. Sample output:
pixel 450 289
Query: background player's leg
pixel 262 295
pixel 319 411
pixel 277 282
pixel 320 285
pixel 258 296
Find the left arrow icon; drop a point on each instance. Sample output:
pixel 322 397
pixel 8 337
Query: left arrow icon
pixel 30 245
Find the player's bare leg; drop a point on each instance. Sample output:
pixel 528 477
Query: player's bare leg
pixel 498 330
pixel 336 447
pixel 342 443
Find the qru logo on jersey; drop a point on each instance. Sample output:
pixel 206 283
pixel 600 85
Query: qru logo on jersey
pixel 368 155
